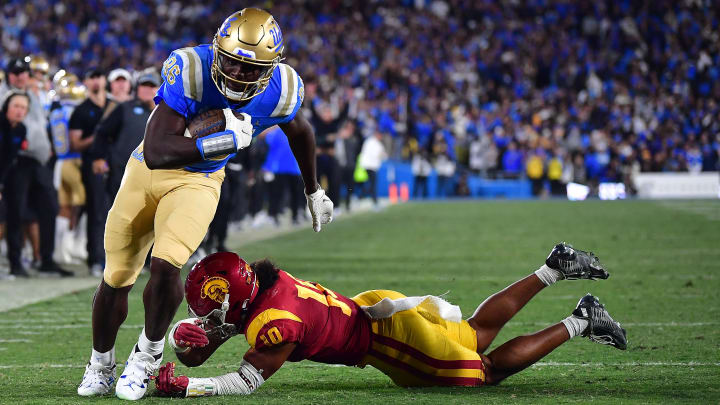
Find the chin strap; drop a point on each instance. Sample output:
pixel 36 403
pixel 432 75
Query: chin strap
pixel 214 322
pixel 232 94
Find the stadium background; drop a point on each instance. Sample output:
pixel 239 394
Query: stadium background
pixel 507 94
pixel 569 91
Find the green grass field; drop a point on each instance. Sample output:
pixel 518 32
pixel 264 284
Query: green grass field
pixel 665 279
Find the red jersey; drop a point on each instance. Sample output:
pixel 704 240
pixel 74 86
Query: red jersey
pixel 327 327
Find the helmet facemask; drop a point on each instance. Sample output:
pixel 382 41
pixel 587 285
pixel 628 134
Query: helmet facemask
pixel 235 89
pixel 214 322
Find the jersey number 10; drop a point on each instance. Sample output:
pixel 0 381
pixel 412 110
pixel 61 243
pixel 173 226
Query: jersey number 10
pixel 307 290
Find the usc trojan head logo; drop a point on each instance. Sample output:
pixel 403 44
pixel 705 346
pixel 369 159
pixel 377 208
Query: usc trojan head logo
pixel 248 274
pixel 215 288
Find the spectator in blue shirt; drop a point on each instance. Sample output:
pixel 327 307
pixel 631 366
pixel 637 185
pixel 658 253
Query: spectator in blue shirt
pixel 512 161
pixel 286 179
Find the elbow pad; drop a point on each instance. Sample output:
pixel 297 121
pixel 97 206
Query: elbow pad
pixel 243 382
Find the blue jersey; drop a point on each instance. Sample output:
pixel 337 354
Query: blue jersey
pixel 59 119
pixel 189 89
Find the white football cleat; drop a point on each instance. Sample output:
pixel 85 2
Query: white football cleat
pixel 135 379
pixel 97 380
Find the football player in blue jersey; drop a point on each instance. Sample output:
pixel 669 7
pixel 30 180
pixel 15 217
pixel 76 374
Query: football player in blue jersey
pixel 172 183
pixel 68 92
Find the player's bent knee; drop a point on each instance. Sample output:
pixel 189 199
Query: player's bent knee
pixel 175 257
pixel 162 268
pixel 119 278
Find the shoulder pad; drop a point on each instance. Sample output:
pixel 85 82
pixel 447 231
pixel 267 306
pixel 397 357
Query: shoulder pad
pixel 292 91
pixel 189 70
pixel 260 323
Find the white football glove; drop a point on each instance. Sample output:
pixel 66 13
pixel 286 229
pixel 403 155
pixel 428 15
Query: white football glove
pixel 321 208
pixel 242 128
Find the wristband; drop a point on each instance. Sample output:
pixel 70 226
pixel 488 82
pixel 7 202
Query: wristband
pixel 217 144
pixel 243 382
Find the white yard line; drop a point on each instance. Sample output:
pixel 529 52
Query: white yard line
pixel 707 209
pixel 28 325
pixel 630 364
pixel 54 314
pixel 41 365
pixel 20 292
pixel 541 364
pixel 15 293
pixel 55 327
pixel 15 341
pixel 58 320
pixel 627 324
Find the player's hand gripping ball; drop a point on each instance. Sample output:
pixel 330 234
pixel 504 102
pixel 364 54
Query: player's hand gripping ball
pixel 214 121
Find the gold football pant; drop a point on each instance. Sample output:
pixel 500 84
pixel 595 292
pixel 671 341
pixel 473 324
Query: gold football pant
pixel 416 348
pixel 172 208
pixel 68 181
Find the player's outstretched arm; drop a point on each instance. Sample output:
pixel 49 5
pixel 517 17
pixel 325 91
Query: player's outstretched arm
pixel 301 137
pixel 166 147
pixel 256 367
pixel 302 142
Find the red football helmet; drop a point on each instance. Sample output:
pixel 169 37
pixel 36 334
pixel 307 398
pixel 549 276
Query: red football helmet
pixel 221 286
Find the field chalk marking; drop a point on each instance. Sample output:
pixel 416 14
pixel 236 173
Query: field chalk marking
pixel 541 364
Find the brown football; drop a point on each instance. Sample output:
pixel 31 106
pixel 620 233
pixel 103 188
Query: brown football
pixel 207 123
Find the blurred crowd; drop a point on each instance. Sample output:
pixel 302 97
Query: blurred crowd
pixel 555 91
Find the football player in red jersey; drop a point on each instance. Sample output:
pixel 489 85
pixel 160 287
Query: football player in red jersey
pixel 416 341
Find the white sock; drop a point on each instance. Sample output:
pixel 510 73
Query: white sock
pixel 574 325
pixel 547 275
pixel 148 346
pixel 105 359
pixel 62 226
pixel 62 230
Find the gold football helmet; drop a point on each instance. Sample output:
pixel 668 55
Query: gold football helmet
pixel 39 64
pixel 246 49
pixel 67 86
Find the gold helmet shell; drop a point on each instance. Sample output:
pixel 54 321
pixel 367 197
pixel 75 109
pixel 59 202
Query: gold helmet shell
pixel 249 36
pixel 67 86
pixel 39 64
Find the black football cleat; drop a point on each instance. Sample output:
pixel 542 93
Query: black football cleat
pixel 52 268
pixel 601 327
pixel 575 264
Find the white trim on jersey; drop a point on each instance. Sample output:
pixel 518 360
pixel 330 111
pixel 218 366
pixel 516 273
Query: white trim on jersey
pixel 191 73
pixel 289 95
